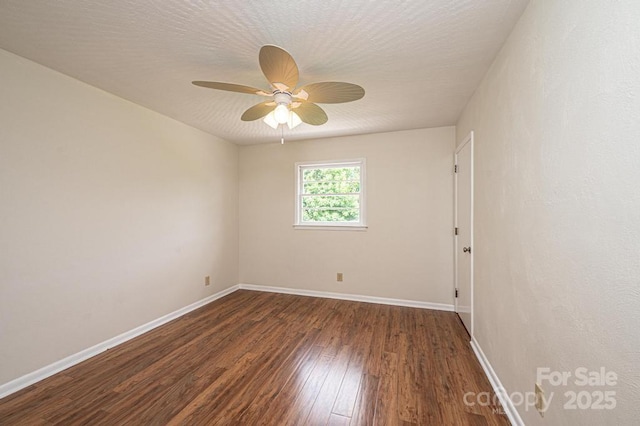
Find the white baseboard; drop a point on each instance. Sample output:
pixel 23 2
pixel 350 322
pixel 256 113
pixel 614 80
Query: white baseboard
pixel 352 297
pixel 51 369
pixel 505 401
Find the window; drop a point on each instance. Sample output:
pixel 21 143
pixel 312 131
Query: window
pixel 330 194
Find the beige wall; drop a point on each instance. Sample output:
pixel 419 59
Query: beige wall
pixel 557 236
pixel 110 216
pixel 406 253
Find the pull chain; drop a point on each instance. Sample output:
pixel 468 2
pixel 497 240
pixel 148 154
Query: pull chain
pixel 282 134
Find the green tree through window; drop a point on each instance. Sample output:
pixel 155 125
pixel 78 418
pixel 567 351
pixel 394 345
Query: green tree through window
pixel 330 193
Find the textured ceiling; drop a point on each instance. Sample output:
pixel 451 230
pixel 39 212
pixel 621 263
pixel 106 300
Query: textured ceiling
pixel 419 61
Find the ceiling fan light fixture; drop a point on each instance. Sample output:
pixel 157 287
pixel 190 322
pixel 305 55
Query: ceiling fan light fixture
pixel 270 120
pixel 294 120
pixel 281 113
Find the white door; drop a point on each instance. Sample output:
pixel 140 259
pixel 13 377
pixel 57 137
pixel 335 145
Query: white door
pixel 464 232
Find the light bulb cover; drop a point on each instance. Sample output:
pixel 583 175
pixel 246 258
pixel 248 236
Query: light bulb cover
pixel 294 120
pixel 281 113
pixel 270 120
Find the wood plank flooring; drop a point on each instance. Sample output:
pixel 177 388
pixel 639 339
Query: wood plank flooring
pixel 255 358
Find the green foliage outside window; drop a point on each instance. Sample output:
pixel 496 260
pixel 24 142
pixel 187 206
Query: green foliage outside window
pixel 331 194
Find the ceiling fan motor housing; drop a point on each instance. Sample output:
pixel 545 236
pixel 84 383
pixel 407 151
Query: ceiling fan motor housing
pixel 282 98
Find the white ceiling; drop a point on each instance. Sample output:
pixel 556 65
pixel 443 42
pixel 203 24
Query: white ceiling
pixel 419 61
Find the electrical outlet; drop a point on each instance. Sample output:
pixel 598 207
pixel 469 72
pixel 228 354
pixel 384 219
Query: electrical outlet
pixel 541 403
pixel 339 277
pixel 207 280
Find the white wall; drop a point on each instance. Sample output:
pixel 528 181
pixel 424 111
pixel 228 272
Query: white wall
pixel 557 230
pixel 110 216
pixel 406 253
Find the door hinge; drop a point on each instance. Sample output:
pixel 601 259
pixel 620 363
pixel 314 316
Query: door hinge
pixel 456 292
pixel 456 230
pixel 455 169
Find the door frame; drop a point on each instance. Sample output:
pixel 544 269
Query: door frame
pixel 467 140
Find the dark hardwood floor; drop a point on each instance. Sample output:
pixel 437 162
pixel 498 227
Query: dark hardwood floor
pixel 255 358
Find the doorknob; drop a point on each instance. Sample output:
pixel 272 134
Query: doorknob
pixel 466 249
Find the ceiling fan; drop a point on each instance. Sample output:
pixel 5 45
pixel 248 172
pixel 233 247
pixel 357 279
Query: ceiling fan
pixel 289 105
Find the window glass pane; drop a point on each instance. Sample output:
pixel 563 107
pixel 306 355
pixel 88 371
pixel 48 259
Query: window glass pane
pixel 336 202
pixel 330 193
pixel 332 174
pixel 329 215
pixel 331 187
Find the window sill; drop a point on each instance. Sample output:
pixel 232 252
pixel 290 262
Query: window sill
pixel 332 227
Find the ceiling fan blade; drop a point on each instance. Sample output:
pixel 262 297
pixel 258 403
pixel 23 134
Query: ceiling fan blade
pixel 230 87
pixel 332 92
pixel 278 66
pixel 258 111
pixel 311 113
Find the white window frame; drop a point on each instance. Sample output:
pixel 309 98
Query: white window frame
pixel 334 226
